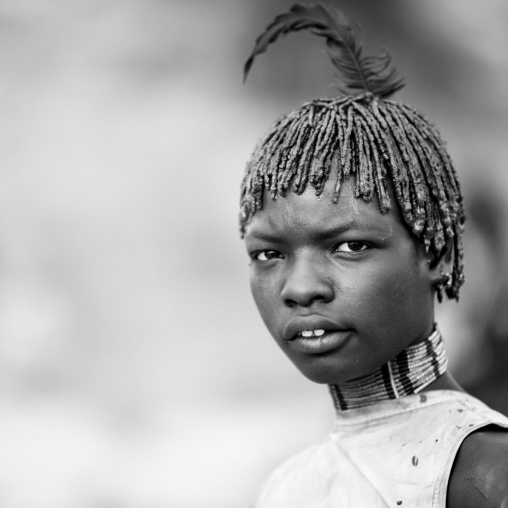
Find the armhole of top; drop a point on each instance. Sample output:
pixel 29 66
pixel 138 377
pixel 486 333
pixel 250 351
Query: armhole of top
pixel 441 491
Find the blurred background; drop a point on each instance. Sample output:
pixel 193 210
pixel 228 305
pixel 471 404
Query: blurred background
pixel 134 370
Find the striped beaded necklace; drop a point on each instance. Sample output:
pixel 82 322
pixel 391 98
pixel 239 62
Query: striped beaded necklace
pixel 409 372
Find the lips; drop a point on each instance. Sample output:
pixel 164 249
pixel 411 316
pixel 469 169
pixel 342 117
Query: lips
pixel 297 325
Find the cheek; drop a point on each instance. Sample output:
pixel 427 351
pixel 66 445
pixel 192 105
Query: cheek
pixel 392 291
pixel 265 296
pixel 404 303
pixel 413 283
pixel 398 285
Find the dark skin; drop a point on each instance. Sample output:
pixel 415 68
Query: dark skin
pixel 363 284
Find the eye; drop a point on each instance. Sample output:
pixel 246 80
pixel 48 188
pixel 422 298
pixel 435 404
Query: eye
pixel 354 246
pixel 265 255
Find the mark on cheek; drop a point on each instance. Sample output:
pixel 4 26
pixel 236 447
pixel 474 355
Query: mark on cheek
pixel 399 289
pixel 475 483
pixel 414 460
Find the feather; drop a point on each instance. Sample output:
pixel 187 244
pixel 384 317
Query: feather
pixel 357 73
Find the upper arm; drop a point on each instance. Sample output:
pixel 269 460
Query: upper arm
pixel 479 477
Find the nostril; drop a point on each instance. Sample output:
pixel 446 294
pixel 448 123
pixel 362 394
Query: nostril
pixel 305 300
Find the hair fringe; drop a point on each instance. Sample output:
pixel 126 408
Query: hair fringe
pixel 376 142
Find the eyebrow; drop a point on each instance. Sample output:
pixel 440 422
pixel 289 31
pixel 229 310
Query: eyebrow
pixel 326 234
pixel 264 236
pixel 332 232
pixel 323 234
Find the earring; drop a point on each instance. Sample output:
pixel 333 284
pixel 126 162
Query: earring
pixel 443 284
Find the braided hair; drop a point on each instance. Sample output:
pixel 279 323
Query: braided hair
pixel 375 141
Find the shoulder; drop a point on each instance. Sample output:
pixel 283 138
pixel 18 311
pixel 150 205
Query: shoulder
pixel 479 477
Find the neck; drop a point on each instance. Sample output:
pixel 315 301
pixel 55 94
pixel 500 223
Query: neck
pixel 411 371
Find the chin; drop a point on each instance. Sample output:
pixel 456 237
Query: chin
pixel 326 376
pixel 330 371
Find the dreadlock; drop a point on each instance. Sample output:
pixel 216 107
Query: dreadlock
pixel 375 141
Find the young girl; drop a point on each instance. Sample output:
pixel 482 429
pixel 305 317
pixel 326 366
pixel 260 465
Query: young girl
pixel 352 217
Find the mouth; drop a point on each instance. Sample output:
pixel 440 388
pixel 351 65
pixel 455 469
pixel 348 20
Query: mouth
pixel 316 342
pixel 310 333
pixel 311 326
pixel 315 334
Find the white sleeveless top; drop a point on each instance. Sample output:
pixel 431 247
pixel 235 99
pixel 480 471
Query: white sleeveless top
pixel 394 453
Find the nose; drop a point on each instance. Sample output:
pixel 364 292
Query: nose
pixel 306 283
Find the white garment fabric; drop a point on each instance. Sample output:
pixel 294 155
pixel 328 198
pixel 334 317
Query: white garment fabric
pixel 394 453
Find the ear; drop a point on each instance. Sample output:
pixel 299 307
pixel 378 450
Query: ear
pixel 441 267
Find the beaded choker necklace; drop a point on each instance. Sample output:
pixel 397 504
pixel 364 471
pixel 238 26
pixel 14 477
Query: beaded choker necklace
pixel 409 372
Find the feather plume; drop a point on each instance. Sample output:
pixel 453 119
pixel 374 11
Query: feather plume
pixel 357 73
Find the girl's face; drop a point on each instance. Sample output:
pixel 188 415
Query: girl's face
pixel 341 287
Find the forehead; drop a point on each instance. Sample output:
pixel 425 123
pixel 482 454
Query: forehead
pixel 317 215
